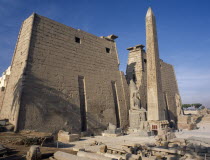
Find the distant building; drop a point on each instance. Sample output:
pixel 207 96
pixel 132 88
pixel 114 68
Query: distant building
pixel 191 108
pixel 4 78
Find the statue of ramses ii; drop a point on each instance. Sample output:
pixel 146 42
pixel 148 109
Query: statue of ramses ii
pixel 135 100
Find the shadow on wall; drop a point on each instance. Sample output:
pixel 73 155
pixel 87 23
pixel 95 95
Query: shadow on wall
pixel 130 73
pixel 47 104
pixel 16 94
pixel 172 121
pixel 48 109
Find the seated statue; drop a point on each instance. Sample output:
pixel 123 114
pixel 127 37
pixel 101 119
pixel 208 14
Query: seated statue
pixel 135 102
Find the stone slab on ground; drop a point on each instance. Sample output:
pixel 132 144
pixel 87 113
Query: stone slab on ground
pixel 110 134
pixel 93 156
pixel 65 137
pixel 34 153
pixel 114 142
pixel 66 156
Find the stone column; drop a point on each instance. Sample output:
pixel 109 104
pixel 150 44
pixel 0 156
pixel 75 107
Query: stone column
pixel 155 101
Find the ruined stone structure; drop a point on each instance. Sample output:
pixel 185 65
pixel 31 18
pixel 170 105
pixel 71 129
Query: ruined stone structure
pixel 154 78
pixel 64 78
pixel 67 79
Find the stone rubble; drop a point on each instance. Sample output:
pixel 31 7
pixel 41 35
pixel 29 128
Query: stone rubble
pixel 34 153
pixel 6 126
pixel 112 131
pixel 3 150
pixel 66 156
pixel 67 137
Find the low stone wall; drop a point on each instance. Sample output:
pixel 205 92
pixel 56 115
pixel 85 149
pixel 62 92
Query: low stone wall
pixel 191 112
pixel 186 122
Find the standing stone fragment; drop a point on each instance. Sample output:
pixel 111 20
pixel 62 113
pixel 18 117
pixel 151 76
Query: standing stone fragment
pixel 34 153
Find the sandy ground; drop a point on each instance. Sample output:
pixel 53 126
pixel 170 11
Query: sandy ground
pixel 202 131
pixel 19 151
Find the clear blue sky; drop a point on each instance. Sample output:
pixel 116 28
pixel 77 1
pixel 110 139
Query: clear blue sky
pixel 183 32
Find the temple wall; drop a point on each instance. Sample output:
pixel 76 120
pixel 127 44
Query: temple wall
pixel 51 99
pixel 2 93
pixel 170 89
pixel 126 94
pixel 137 65
pixel 11 100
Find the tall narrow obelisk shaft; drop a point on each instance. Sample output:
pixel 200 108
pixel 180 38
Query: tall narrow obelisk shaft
pixel 155 101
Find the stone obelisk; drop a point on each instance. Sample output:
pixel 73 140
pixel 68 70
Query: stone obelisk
pixel 155 101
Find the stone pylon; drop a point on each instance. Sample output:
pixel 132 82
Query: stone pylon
pixel 155 100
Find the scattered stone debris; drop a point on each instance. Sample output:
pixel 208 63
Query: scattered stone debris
pixel 31 140
pixel 103 149
pixel 92 156
pixel 96 143
pixel 34 153
pixel 66 156
pixel 112 131
pixel 5 126
pixel 3 150
pixel 167 147
pixel 66 137
pixel 114 156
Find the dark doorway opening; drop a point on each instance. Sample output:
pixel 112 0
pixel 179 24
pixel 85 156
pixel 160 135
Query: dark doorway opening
pixel 155 132
pixel 116 104
pixel 82 103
